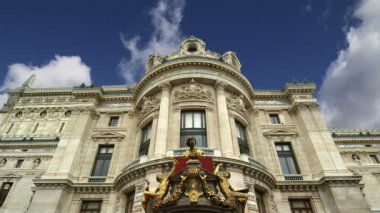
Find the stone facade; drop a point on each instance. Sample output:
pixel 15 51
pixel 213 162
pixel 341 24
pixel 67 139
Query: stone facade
pixel 51 140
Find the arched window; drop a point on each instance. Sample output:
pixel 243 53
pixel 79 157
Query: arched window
pixel 242 139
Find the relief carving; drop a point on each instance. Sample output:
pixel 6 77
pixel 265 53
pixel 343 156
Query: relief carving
pixel 236 102
pixel 149 105
pixel 192 91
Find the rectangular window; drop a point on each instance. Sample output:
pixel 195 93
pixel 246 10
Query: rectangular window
pixel 145 139
pixel 9 129
pixel 193 124
pixel 103 160
pixel 260 201
pixel 287 159
pixel 113 121
pixel 35 127
pixel 93 206
pixel 242 139
pixel 130 201
pixel 374 158
pixel 300 206
pixel 5 188
pixel 274 118
pixel 19 163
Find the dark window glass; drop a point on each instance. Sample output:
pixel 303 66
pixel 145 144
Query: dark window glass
pixel 5 188
pixel 145 139
pixel 242 139
pixel 260 201
pixel 374 158
pixel 61 128
pixel 300 206
pixel 103 160
pixel 130 201
pixel 113 121
pixel 19 163
pixel 286 157
pixel 274 119
pixel 9 129
pixel 93 206
pixel 35 127
pixel 193 124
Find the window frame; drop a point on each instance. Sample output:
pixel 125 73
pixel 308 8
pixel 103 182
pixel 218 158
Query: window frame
pixel 102 157
pixel 186 132
pixel 374 159
pixel 242 142
pixel 287 154
pixel 130 197
pixel 260 200
pixel 82 210
pixel 274 118
pixel 19 163
pixel 113 120
pixel 3 198
pixel 146 136
pixel 309 206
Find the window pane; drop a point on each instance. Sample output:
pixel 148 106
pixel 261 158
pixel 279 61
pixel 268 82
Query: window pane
pixel 188 120
pixel 278 148
pixel 98 168
pixel 291 165
pixel 110 150
pixel 105 168
pixel 197 120
pixel 103 150
pixel 286 147
pixel 284 166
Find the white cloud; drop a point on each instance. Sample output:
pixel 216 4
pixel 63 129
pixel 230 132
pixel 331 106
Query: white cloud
pixel 166 17
pixel 350 92
pixel 60 71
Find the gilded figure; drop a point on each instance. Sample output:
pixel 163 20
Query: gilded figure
pixel 225 186
pixel 192 153
pixel 162 189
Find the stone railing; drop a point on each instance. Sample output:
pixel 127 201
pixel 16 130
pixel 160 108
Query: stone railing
pixel 207 151
pixel 97 179
pixel 293 177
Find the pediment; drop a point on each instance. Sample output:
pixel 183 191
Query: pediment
pixel 109 135
pixel 280 132
pixel 10 175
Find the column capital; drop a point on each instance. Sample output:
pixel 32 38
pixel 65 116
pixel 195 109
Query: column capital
pixel 220 85
pixel 165 86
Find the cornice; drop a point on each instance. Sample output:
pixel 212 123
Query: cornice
pixel 193 62
pixel 135 170
pixel 98 188
pixel 303 186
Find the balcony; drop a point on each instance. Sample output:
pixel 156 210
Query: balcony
pixel 207 151
pixel 97 179
pixel 293 177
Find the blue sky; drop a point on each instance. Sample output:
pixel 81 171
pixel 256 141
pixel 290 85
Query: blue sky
pixel 276 41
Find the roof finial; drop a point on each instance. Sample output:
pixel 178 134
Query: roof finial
pixel 29 82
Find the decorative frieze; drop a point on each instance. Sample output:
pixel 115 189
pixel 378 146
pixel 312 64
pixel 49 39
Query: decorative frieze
pixel 192 91
pixel 149 105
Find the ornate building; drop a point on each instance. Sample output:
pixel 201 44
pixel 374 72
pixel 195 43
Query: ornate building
pixel 91 149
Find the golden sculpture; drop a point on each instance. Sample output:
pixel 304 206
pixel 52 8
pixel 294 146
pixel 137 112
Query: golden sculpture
pixel 162 189
pixel 192 153
pixel 225 186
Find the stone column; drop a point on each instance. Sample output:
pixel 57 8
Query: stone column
pixel 163 121
pixel 224 123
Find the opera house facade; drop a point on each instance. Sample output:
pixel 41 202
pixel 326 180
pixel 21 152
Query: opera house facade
pixel 108 148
